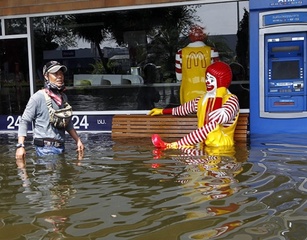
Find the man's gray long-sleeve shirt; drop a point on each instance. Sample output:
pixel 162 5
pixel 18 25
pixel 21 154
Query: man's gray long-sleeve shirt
pixel 36 112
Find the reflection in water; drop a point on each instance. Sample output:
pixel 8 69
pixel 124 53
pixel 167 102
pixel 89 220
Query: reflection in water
pixel 128 190
pixel 48 188
pixel 210 175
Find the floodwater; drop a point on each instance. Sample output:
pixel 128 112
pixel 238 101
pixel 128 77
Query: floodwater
pixel 128 190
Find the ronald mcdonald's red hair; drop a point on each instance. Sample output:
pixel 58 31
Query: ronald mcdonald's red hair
pixel 197 33
pixel 222 72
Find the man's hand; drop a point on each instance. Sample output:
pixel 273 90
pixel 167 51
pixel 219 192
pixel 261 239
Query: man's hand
pixel 156 111
pixel 80 155
pixel 80 149
pixel 20 154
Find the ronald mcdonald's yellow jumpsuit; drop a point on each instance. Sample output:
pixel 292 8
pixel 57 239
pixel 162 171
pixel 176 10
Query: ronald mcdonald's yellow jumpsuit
pixel 217 112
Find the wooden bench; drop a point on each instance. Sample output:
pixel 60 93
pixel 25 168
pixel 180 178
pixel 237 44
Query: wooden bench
pixel 167 126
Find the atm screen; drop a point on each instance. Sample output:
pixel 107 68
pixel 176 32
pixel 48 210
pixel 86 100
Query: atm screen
pixel 285 70
pixel 286 49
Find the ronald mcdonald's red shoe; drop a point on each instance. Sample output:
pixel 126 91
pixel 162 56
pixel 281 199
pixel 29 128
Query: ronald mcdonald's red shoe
pixel 158 142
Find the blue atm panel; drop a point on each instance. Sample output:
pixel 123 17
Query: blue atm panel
pixel 278 63
pixel 285 104
pixel 284 73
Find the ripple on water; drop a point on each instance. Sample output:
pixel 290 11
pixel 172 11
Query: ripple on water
pixel 128 190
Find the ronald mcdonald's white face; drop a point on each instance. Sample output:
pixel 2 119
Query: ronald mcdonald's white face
pixel 211 83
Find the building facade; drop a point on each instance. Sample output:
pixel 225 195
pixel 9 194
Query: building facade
pixel 105 45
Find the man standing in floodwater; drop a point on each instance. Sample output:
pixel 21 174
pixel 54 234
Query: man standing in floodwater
pixel 50 114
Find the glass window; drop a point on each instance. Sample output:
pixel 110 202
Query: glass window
pixel 15 26
pixel 14 76
pixel 106 52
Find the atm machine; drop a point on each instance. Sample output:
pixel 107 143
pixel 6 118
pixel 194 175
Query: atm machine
pixel 278 79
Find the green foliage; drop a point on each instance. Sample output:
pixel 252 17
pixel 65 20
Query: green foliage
pixel 220 44
pixel 54 31
pixel 242 48
pixel 85 82
pixel 98 67
pixel 162 26
pixel 51 32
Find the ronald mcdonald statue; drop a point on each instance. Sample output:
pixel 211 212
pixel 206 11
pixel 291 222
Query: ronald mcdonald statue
pixel 217 112
pixel 191 64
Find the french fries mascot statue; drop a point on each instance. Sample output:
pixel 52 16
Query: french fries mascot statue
pixel 217 112
pixel 191 64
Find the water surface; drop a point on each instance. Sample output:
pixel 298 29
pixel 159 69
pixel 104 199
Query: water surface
pixel 129 190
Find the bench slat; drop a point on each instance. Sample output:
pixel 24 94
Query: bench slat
pixel 167 126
